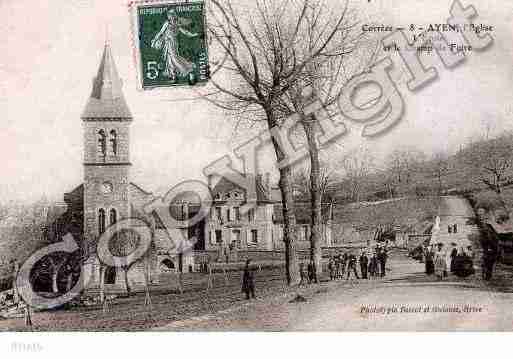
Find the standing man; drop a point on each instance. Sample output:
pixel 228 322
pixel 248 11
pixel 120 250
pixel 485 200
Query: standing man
pixel 382 258
pixel 303 274
pixel 311 272
pixel 248 284
pixel 351 266
pixel 429 259
pixel 373 265
pixel 331 268
pixel 364 262
pixel 489 259
pixel 454 253
pixel 344 261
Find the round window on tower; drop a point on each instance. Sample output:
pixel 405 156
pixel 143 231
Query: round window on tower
pixel 107 187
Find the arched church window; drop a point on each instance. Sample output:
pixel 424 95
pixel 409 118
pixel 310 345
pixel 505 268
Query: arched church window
pixel 102 143
pixel 101 220
pixel 114 142
pixel 113 216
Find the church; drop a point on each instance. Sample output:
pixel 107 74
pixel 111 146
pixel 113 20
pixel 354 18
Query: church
pixel 107 194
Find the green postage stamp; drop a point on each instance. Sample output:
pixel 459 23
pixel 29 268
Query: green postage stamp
pixel 172 44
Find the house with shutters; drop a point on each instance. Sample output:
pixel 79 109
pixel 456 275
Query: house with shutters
pixel 261 227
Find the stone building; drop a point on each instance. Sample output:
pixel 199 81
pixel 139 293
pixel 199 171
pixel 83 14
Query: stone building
pixel 107 195
pixel 260 228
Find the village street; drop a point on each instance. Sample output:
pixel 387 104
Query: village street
pixel 406 299
pixel 454 304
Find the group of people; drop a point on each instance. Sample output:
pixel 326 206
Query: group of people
pixel 441 261
pixel 340 265
pixel 372 266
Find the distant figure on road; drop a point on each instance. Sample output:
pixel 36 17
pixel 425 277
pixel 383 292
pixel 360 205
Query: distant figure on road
pixel 339 267
pixel 463 264
pixel 373 265
pixel 440 262
pixel 343 265
pixel 331 268
pixel 429 259
pixel 303 274
pixel 248 285
pixel 351 266
pixel 382 258
pixel 311 272
pixel 364 262
pixel 454 253
pixel 489 259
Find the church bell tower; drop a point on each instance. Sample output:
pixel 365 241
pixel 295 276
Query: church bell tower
pixel 106 124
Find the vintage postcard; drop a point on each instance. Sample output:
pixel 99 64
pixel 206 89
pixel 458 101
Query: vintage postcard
pixel 298 166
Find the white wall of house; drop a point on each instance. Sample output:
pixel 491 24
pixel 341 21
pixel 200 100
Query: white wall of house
pixel 251 230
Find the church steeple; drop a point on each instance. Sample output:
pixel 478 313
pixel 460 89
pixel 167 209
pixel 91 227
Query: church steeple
pixel 106 125
pixel 107 100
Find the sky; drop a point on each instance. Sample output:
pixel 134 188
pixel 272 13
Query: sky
pixel 51 51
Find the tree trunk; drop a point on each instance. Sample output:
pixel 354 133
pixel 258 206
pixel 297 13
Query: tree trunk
pixel 55 288
pixel 289 215
pixel 289 226
pixel 103 269
pixel 127 284
pixel 16 297
pixel 315 197
pixel 55 272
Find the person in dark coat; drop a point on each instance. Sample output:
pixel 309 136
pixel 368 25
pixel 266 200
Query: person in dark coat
pixel 248 285
pixel 489 259
pixel 303 274
pixel 382 258
pixel 311 272
pixel 429 259
pixel 373 265
pixel 454 253
pixel 331 268
pixel 463 264
pixel 345 260
pixel 364 262
pixel 351 266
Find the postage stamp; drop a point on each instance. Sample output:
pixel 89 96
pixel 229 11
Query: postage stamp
pixel 172 44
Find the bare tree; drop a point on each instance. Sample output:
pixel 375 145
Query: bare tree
pixel 491 160
pixel 441 168
pixel 356 167
pixel 269 56
pixel 303 187
pixel 403 165
pixel 326 77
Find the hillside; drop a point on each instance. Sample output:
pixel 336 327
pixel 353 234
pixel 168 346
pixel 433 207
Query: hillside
pixel 359 221
pixel 480 166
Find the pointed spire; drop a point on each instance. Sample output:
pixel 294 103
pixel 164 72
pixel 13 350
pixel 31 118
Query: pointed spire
pixel 107 99
pixel 107 84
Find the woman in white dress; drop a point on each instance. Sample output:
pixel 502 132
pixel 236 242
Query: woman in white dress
pixel 440 262
pixel 166 41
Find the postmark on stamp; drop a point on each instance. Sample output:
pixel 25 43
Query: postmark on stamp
pixel 172 44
